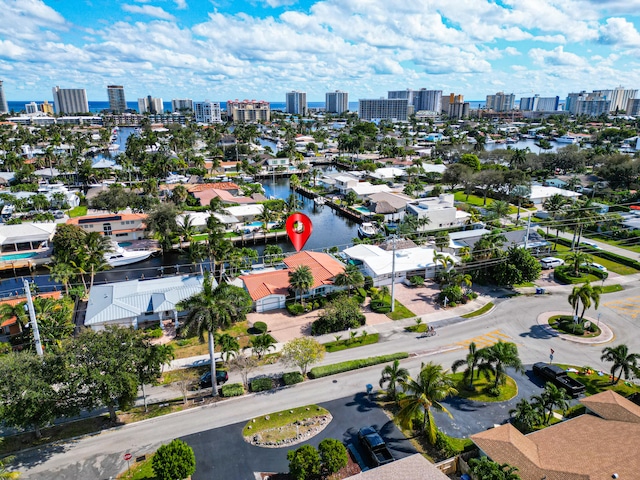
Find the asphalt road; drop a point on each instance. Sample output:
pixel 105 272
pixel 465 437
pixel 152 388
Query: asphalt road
pixel 100 456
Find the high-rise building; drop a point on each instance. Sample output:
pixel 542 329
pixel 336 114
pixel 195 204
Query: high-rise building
pixel 454 106
pixel 4 108
pixel 31 108
pixel 248 111
pixel 296 103
pixel 539 104
pixel 337 102
pixel 151 105
pixel 207 112
pixel 501 102
pixel 423 99
pixel 633 107
pixel 70 100
pixel 46 107
pixel 117 102
pixel 183 105
pixel 619 97
pixel 383 109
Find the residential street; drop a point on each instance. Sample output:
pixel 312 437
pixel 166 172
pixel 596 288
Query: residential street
pixel 516 320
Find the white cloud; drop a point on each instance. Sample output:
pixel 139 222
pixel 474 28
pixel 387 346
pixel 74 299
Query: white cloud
pixel 149 10
pixel 181 4
pixel 512 51
pixel 556 57
pixel 620 32
pixel 279 3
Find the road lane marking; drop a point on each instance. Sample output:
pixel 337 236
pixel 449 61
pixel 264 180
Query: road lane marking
pixel 628 306
pixel 485 340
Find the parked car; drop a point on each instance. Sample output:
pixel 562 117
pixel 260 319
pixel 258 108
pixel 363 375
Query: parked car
pixel 559 378
pixel 58 214
pixel 375 445
pixel 221 377
pixel 588 243
pixel 602 268
pixel 551 262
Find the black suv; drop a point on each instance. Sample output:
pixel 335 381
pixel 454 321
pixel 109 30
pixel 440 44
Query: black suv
pixel 221 377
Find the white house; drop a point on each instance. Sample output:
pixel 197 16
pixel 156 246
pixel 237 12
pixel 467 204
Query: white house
pixel 440 211
pixel 541 193
pixel 363 189
pixel 139 303
pixel 245 213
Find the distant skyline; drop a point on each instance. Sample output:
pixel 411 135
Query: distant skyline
pixel 260 49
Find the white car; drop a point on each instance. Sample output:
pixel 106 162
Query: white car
pixel 588 243
pixel 602 268
pixel 551 262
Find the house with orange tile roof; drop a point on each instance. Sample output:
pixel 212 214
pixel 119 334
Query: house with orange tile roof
pixel 227 192
pixel 120 226
pixel 11 326
pixel 269 290
pixel 601 444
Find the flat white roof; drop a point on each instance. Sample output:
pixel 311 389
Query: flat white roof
pixel 381 261
pixel 539 191
pixel 244 210
pixel 365 188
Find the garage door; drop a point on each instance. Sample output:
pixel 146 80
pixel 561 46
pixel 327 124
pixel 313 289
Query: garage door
pixel 270 303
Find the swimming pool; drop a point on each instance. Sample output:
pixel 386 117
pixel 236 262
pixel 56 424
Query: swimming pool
pixel 17 256
pixel 125 244
pixel 253 224
pixel 362 210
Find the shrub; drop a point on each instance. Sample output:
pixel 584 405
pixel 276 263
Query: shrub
pixel 453 293
pixel 333 454
pixel 368 281
pixel 341 314
pixel 326 370
pixel 154 332
pixel 174 460
pixel 380 306
pixel 291 378
pixel 304 462
pixel 453 304
pixel 417 281
pixel 295 309
pixel 493 391
pixel 362 292
pixel 261 384
pixel 260 327
pixel 232 390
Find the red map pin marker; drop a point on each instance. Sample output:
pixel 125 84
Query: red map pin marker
pixel 299 228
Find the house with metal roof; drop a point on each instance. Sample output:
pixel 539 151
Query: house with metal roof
pixel 139 303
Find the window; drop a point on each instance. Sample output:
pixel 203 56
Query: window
pixel 107 229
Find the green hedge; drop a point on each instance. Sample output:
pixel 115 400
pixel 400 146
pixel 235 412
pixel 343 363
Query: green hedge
pixel 295 309
pixel 324 371
pixel 232 390
pixel 261 384
pixel 380 306
pixel 291 378
pixel 564 274
pixel 597 252
pixel 260 327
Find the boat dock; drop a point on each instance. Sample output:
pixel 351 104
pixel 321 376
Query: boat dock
pixel 346 212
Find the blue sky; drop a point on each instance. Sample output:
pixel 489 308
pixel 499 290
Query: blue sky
pixel 260 49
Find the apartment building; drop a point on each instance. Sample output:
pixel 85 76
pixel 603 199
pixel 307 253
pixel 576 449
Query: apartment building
pixel 337 102
pixel 249 111
pixel 117 101
pixel 150 104
pixel 296 103
pixel 207 112
pixel 4 108
pixel 70 100
pixel 539 104
pixel 183 105
pixel 501 102
pixel 396 109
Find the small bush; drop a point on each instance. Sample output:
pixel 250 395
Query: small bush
pixel 359 298
pixel 326 370
pixel 295 309
pixel 362 292
pixel 154 332
pixel 380 306
pixel 232 390
pixel 493 391
pixel 453 304
pixel 260 327
pixel 291 378
pixel 261 384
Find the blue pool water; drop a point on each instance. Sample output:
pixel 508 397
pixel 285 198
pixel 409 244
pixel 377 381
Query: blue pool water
pixel 363 210
pixel 17 256
pixel 124 244
pixel 254 224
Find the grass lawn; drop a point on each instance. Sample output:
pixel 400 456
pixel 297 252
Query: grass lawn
pixel 346 343
pixel 612 288
pixel 280 419
pixel 562 251
pixel 525 284
pixel 478 312
pixel 556 319
pixel 77 211
pixel 595 383
pixel 139 471
pixel 477 201
pixel 507 391
pixel 190 347
pixel 400 312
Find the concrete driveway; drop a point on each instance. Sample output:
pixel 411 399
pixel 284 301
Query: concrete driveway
pixel 223 453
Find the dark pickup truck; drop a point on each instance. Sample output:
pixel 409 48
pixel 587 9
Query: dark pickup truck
pixel 559 378
pixel 375 445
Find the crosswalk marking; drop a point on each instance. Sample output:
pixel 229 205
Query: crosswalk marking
pixel 485 340
pixel 629 306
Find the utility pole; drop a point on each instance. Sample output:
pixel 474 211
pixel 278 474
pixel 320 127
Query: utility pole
pixel 393 274
pixel 526 237
pixel 32 316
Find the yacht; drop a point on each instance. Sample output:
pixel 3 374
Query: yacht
pixel 113 147
pixel 367 230
pixel 319 200
pixel 119 256
pixel 567 139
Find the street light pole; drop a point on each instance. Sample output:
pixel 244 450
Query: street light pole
pixel 32 316
pixel 393 275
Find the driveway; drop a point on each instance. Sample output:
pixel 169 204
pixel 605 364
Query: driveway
pixel 223 453
pixel 420 300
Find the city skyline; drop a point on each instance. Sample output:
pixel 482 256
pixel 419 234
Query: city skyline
pixel 262 49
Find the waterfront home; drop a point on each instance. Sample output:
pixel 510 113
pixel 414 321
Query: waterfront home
pixel 25 237
pixel 121 226
pixel 379 263
pixel 364 189
pixel 392 205
pixel 344 182
pixel 440 211
pixel 245 213
pixel 388 173
pixel 11 326
pixel 269 290
pixel 140 303
pixel 610 427
pixel 227 192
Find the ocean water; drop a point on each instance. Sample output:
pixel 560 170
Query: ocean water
pixel 18 106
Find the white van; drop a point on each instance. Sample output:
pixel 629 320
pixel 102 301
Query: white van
pixel 551 262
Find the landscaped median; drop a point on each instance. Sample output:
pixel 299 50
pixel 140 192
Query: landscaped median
pixel 335 368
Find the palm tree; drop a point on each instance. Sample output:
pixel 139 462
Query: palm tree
pixel 555 206
pixel 351 277
pixel 489 246
pixel 581 214
pixel 621 359
pixel 499 356
pixel 499 209
pixel 91 254
pixel 577 258
pixel 261 344
pixel 214 308
pixel 394 375
pixel 187 230
pixel 584 294
pixel 525 415
pixel 471 362
pixel 550 398
pixel 229 346
pixel 301 280
pixel 432 385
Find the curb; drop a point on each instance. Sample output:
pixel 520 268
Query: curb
pixel 605 331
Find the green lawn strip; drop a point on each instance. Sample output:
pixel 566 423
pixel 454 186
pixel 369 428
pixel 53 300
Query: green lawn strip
pixel 191 346
pixel 507 391
pixel 478 312
pixel 351 343
pixel 335 368
pixel 473 200
pixel 417 328
pixel 525 284
pixel 595 383
pixel 280 419
pixel 554 323
pixel 612 288
pixel 140 471
pixel 562 251
pixel 78 211
pixel 400 312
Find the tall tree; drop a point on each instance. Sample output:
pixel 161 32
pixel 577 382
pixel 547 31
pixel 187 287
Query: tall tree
pixel 525 416
pixel 214 308
pixel 472 362
pixel 393 376
pixel 301 280
pixel 552 397
pixel 584 294
pixel 500 356
pixel 423 393
pixel 162 222
pixel 351 277
pixel 576 259
pixel 621 359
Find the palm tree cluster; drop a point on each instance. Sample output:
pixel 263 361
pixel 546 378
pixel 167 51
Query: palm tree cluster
pixel 623 361
pixel 489 361
pixel 539 410
pixel 585 295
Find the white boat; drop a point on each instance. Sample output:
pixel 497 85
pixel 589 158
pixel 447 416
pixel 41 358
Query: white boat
pixel 566 139
pixel 174 178
pixel 367 230
pixel 319 200
pixel 119 256
pixel 511 140
pixel 114 147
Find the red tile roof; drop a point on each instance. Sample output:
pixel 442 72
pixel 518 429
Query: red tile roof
pixel 16 300
pixel 200 187
pixel 101 218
